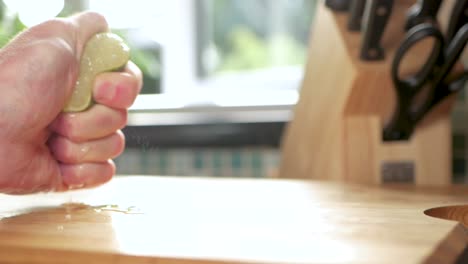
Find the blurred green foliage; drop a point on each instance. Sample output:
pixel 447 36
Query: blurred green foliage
pixel 8 28
pixel 245 35
pixel 148 60
pixel 248 51
pixel 252 34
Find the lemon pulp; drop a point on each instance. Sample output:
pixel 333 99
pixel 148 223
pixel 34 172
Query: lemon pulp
pixel 104 52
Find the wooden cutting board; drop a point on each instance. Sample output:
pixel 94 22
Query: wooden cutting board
pixel 204 220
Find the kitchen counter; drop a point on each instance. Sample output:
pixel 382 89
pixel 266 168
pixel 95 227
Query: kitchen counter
pixel 137 219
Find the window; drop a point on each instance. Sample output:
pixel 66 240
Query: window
pixel 247 35
pixel 203 54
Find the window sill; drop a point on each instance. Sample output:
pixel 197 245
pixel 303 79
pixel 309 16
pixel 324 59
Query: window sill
pixel 248 109
pixel 208 126
pixel 251 107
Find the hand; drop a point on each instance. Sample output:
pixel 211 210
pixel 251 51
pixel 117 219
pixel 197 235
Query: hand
pixel 42 148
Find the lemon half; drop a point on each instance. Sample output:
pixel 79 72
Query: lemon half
pixel 103 52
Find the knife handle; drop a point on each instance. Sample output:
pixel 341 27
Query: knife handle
pixel 376 16
pixel 458 18
pixel 337 5
pixel 421 12
pixel 356 10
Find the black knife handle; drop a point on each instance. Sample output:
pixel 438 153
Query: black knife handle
pixel 421 12
pixel 337 5
pixel 458 18
pixel 376 16
pixel 356 10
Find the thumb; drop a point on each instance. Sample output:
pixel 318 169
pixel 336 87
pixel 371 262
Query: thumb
pixel 87 24
pixel 41 66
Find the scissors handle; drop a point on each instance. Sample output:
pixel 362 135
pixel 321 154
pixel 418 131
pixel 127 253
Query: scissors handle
pixel 439 84
pixel 452 54
pixel 413 83
pixel 422 11
pixel 458 17
pixel 404 121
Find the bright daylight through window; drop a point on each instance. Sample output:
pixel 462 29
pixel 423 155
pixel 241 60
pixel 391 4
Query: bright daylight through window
pixel 197 52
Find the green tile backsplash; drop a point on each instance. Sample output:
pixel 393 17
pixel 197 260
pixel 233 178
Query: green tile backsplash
pixel 236 162
pixel 259 161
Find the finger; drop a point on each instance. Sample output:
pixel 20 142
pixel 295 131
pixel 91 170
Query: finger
pixel 118 89
pixel 132 69
pixel 88 24
pixel 97 122
pixel 100 150
pixel 87 174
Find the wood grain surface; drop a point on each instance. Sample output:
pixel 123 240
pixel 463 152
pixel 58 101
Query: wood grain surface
pixel 138 219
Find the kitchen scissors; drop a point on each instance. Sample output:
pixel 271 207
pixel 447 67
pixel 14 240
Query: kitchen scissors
pixel 431 76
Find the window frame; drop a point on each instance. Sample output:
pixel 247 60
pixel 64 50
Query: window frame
pixel 187 89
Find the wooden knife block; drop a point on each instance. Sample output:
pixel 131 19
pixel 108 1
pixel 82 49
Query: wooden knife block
pixel 336 131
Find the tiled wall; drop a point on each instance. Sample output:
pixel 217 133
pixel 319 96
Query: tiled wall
pixel 260 162
pixel 254 162
pixel 242 162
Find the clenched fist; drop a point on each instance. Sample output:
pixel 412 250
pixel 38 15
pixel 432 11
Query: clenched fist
pixel 42 148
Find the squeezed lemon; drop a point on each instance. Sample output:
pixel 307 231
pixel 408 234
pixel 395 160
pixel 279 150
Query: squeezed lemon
pixel 104 52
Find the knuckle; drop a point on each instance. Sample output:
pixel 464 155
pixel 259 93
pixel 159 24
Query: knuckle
pixel 68 155
pixel 112 168
pixel 123 118
pixel 72 129
pixel 115 119
pixel 135 88
pixel 94 18
pixel 62 150
pixel 119 144
pixel 97 17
